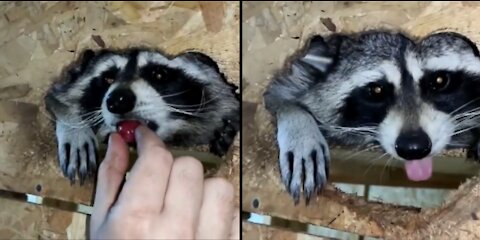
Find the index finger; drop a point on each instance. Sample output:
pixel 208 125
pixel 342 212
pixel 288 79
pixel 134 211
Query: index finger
pixel 110 176
pixel 144 191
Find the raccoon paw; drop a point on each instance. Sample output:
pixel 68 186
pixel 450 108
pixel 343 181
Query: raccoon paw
pixel 304 160
pixel 223 138
pixel 77 152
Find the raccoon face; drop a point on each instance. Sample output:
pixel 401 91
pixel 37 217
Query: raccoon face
pixel 414 99
pixel 168 95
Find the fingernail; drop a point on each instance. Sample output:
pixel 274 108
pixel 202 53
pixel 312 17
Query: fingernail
pixel 140 131
pixel 110 138
pixel 110 144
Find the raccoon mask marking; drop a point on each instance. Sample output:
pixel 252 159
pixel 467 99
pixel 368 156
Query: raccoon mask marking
pixel 412 98
pixel 185 99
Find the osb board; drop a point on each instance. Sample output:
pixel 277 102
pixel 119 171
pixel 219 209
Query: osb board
pixel 19 220
pixel 272 31
pixel 37 39
pixel 260 232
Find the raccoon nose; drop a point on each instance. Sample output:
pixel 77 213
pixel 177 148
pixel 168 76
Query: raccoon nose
pixel 413 145
pixel 121 101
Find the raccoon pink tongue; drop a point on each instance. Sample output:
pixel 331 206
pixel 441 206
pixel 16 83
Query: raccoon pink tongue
pixel 126 129
pixel 419 170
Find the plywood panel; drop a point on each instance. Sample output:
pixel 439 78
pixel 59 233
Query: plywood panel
pixel 260 232
pixel 271 32
pixel 37 39
pixel 19 220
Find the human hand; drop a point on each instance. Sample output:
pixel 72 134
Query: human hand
pixel 162 198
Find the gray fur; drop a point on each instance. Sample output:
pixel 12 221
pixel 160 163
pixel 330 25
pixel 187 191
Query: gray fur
pixel 216 124
pixel 308 94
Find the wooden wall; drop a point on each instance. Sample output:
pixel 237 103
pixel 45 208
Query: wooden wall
pixel 273 30
pixel 37 39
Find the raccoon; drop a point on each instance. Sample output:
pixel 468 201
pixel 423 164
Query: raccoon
pixel 185 99
pixel 411 97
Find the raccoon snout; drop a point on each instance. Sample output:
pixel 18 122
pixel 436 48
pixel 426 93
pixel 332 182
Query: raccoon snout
pixel 413 145
pixel 121 101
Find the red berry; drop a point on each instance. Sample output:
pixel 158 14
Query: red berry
pixel 126 129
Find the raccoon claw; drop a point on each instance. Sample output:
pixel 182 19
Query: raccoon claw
pixel 63 166
pixel 223 138
pixel 304 167
pixel 77 153
pixel 82 175
pixel 72 180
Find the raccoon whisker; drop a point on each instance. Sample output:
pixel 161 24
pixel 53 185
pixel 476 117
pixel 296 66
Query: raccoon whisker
pixel 466 120
pixel 82 117
pixel 174 94
pixel 473 112
pixel 173 106
pixel 79 125
pixel 184 112
pixel 464 105
pixel 77 122
pixel 147 110
pixel 48 116
pixel 92 119
pixel 459 145
pixel 385 167
pixel 355 130
pixel 358 133
pixel 363 127
pixel 203 102
pixel 359 152
pixel 351 129
pixel 93 111
pixel 93 116
pixel 464 124
pixel 372 162
pixel 192 105
pixel 74 125
pixel 372 129
pixel 465 129
pixel 97 120
pixel 181 106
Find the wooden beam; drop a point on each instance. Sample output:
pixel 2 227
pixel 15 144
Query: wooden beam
pixel 448 171
pixel 22 220
pixel 252 231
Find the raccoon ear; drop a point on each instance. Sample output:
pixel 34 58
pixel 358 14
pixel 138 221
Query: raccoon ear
pixel 317 53
pixel 80 64
pixel 453 38
pixel 201 57
pixel 86 56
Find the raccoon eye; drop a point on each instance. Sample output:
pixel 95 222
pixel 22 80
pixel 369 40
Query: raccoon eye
pixel 109 76
pixel 109 80
pixel 376 92
pixel 157 74
pixel 440 82
pixel 154 72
